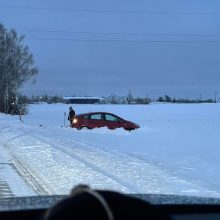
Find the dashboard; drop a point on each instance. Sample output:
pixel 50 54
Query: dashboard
pixel 177 207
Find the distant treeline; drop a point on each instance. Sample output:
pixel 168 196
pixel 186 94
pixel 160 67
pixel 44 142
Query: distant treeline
pixel 167 98
pixel 46 98
pixel 18 104
pixel 117 99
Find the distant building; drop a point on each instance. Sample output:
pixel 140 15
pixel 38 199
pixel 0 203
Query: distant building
pixel 114 99
pixel 82 100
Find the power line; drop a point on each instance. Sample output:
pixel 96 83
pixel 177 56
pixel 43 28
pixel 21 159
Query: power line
pixel 119 33
pixel 123 40
pixel 99 11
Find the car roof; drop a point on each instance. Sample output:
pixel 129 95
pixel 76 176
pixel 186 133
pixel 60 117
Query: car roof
pixel 90 113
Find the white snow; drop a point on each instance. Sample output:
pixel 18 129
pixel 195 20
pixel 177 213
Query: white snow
pixel 176 150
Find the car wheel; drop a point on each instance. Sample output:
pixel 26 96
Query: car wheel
pixel 84 128
pixel 111 128
pixel 129 129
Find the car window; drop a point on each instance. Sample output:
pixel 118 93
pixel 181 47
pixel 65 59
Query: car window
pixel 109 117
pixel 96 117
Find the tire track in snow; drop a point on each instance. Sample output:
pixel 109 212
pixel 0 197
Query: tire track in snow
pixel 36 181
pixel 27 175
pixel 18 136
pixel 23 170
pixel 23 132
pixel 128 171
pixel 138 177
pixel 17 163
pixel 3 128
pixel 131 188
pixel 82 152
pixel 141 175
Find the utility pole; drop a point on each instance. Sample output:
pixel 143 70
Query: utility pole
pixel 6 100
pixel 215 100
pixel 200 98
pixel 129 97
pixel 6 95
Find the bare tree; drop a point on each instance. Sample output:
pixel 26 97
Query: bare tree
pixel 16 66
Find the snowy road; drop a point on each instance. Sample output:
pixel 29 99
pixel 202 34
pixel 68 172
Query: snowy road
pixel 53 166
pixel 51 160
pixel 11 183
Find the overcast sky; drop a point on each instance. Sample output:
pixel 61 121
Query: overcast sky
pixel 104 47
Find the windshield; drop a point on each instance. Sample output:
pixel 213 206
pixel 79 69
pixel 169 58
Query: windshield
pixel 118 95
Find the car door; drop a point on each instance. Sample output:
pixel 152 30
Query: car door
pixel 112 121
pixel 96 120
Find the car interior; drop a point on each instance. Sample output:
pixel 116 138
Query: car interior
pixel 86 203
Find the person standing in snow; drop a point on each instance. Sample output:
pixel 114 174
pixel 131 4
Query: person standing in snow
pixel 71 115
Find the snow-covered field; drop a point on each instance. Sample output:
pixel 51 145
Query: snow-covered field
pixel 176 151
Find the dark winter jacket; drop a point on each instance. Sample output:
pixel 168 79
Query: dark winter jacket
pixel 71 114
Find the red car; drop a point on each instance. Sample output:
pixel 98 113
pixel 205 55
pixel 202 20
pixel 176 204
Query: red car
pixel 102 119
